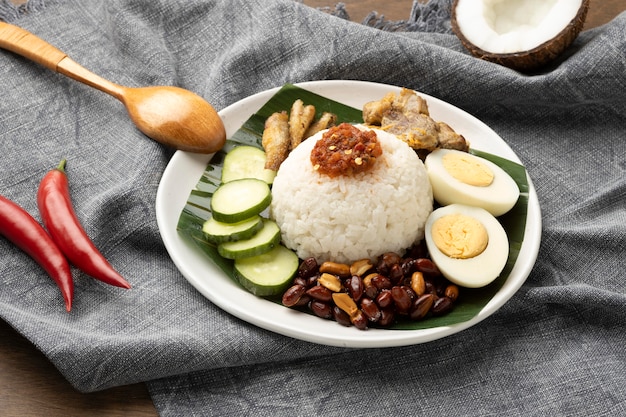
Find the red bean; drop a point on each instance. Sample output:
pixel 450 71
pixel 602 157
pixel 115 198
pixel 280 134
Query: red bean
pixel 321 309
pixel 293 295
pixel 408 266
pixel 355 287
pixel 320 293
pixel 359 320
pixel 303 301
pixel 427 266
pixel 422 306
pixel 387 317
pixel 371 291
pixel 370 309
pixel 300 281
pixel 389 290
pixel 308 268
pixel 384 299
pixel 312 280
pixel 341 316
pixel 381 282
pixel 386 261
pixel 442 306
pixel 396 274
pixel 401 299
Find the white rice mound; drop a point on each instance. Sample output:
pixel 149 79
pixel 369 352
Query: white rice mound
pixel 345 219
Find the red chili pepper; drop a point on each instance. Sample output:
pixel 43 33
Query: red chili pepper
pixel 59 217
pixel 27 234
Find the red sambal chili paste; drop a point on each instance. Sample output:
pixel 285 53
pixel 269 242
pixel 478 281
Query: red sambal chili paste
pixel 345 150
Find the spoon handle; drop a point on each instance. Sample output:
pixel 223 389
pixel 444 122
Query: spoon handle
pixel 24 43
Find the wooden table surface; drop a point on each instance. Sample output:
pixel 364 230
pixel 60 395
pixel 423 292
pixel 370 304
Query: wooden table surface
pixel 31 386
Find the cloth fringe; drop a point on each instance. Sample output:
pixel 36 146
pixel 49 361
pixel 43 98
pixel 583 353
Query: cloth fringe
pixel 10 12
pixel 432 16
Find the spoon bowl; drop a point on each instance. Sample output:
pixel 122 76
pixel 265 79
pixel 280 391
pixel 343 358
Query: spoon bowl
pixel 176 118
pixel 172 116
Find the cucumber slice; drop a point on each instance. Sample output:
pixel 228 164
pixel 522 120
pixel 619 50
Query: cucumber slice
pixel 239 200
pixel 246 162
pixel 263 241
pixel 267 274
pixel 219 232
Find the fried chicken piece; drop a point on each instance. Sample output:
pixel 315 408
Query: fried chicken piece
pixel 409 102
pixel 417 130
pixel 300 118
pixel 373 111
pixel 407 116
pixel 406 102
pixel 325 121
pixel 276 139
pixel 449 139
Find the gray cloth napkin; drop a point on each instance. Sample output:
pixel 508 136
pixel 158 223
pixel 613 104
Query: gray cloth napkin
pixel 557 347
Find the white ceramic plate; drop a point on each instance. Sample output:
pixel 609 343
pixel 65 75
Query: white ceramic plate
pixel 184 170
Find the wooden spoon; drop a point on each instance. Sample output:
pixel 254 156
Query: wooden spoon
pixel 170 115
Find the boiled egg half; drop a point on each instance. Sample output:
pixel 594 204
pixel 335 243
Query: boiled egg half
pixel 468 244
pixel 463 178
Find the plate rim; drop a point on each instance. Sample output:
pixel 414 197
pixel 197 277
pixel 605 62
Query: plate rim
pixel 178 248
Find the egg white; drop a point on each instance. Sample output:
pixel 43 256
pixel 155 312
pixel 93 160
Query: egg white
pixel 497 198
pixel 480 270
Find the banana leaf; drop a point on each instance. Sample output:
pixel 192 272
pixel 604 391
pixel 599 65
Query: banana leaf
pixel 196 211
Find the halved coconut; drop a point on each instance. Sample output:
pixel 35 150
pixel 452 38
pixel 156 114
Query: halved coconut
pixel 519 34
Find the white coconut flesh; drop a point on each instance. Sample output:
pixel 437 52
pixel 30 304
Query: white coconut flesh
pixel 510 26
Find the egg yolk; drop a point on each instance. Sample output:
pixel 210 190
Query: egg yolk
pixel 467 169
pixel 459 236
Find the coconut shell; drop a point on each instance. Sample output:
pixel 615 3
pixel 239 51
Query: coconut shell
pixel 534 58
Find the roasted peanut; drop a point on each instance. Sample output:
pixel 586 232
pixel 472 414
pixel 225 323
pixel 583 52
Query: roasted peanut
pixel 418 284
pixel 359 268
pixel 373 293
pixel 342 270
pixel 368 278
pixel 452 292
pixel 346 303
pixel 330 281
